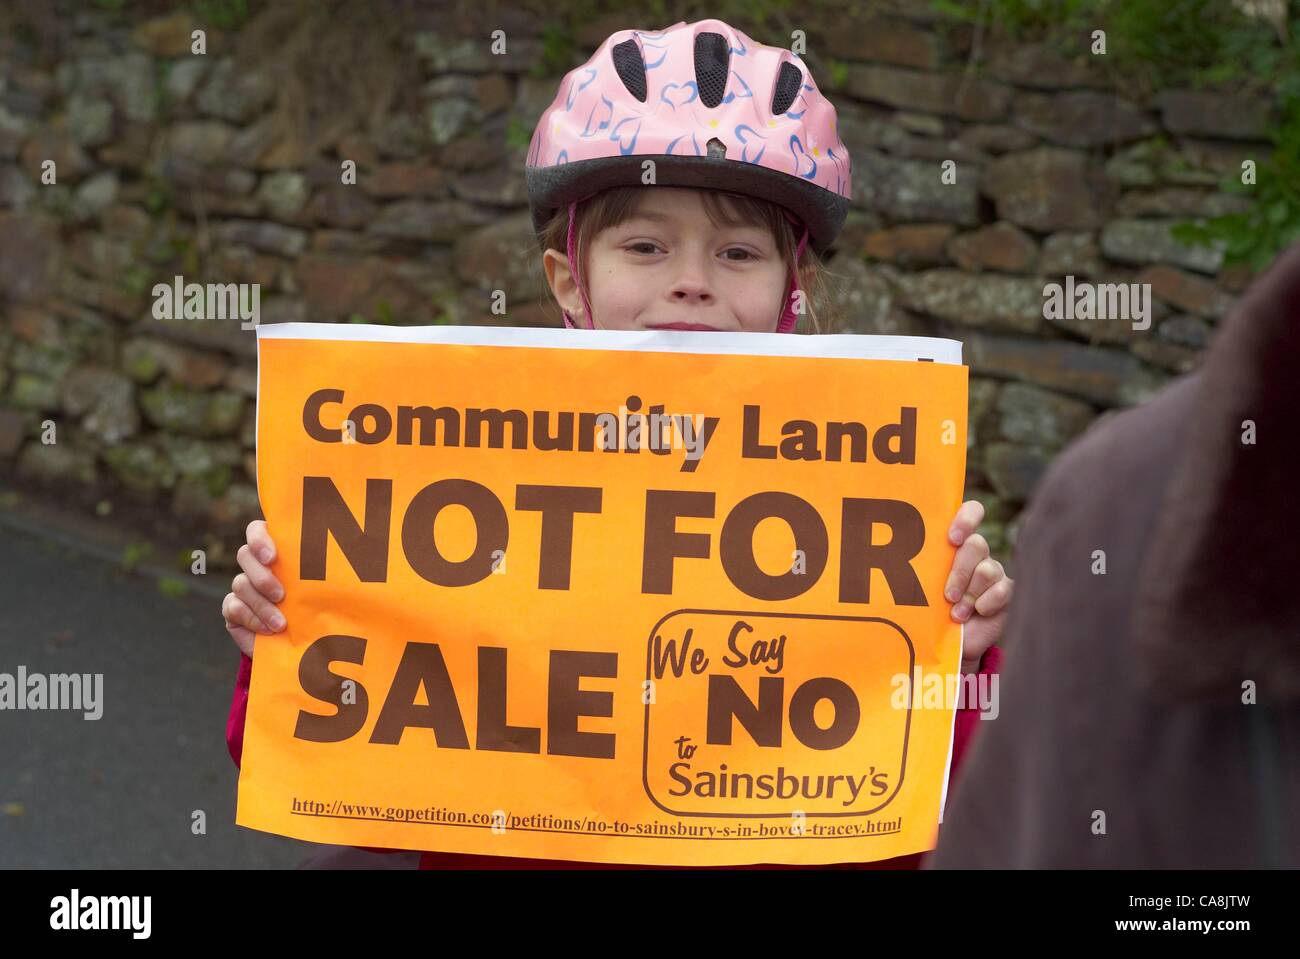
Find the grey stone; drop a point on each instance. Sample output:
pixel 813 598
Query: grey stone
pixel 1070 254
pixel 400 135
pixel 284 193
pixel 913 191
pixel 30 391
pixel 95 194
pixel 1167 354
pixel 16 190
pixel 128 80
pixel 432 222
pixel 1189 331
pixel 173 408
pixel 994 302
pixel 995 138
pixel 13 130
pixel 1045 189
pixel 1082 119
pixel 1216 114
pixel 13 426
pixel 234 92
pixel 51 360
pixel 57 462
pixel 1180 201
pixel 1100 375
pixel 1038 65
pixel 862 297
pixel 489 259
pixel 105 398
pixel 341 206
pixel 444 52
pixel 203 141
pixel 196 457
pixel 495 187
pixel 261 235
pixel 1015 470
pixel 448 119
pixel 184 77
pixel 884 40
pixel 955 95
pixel 1037 417
pixel 89 120
pixel 140 466
pixel 1150 241
pixel 998 246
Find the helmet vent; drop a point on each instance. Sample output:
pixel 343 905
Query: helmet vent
pixel 717 149
pixel 788 82
pixel 631 68
pixel 712 63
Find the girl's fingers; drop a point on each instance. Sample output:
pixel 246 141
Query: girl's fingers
pixel 262 608
pixel 239 617
pixel 987 572
pixel 967 520
pixel 243 638
pixel 995 598
pixel 969 555
pixel 263 579
pixel 259 540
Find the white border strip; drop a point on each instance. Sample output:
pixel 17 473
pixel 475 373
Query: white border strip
pixel 844 345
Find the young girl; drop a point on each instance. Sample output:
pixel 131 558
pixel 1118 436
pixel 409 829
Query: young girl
pixel 686 179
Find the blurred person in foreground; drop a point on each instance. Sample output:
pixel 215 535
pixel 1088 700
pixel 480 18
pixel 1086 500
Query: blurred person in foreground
pixel 1150 715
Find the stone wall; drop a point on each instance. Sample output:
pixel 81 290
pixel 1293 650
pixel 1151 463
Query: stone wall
pixel 171 163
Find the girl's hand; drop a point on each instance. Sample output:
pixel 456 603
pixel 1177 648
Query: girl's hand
pixel 978 586
pixel 250 606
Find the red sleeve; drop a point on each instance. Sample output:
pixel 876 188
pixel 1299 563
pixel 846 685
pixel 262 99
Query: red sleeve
pixel 239 712
pixel 239 709
pixel 968 720
pixel 965 723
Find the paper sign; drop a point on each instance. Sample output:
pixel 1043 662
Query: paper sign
pixel 616 597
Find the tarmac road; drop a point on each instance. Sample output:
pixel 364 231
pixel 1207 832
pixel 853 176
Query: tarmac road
pixel 122 791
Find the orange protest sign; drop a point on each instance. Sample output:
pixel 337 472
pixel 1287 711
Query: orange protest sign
pixel 606 596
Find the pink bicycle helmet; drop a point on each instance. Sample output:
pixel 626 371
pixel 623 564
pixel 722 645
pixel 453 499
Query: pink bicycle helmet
pixel 713 109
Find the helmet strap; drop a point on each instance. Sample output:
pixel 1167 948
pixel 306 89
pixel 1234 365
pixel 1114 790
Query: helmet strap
pixel 789 319
pixel 572 251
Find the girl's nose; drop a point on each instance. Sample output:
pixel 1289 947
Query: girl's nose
pixel 691 284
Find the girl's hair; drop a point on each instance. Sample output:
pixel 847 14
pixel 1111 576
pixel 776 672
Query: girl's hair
pixel 613 206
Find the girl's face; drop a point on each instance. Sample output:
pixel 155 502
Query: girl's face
pixel 669 267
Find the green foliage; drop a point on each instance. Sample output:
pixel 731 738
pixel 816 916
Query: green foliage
pixel 761 19
pixel 518 136
pixel 1161 44
pixel 158 194
pixel 172 587
pixel 839 71
pixel 135 553
pixel 1272 222
pixel 223 14
pixel 135 280
pixel 384 315
pixel 559 48
pixel 1020 16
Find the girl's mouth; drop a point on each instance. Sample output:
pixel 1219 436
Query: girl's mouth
pixel 684 326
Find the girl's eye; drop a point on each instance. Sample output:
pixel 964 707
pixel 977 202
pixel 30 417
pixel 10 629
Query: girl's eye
pixel 736 249
pixel 636 247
